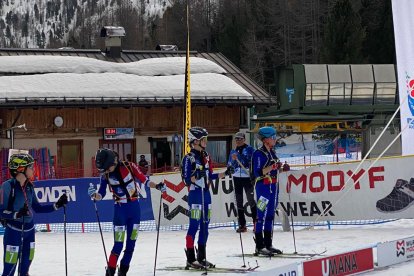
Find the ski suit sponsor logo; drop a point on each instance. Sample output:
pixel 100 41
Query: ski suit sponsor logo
pixel 52 194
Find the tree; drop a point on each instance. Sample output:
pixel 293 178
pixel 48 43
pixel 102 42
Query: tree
pixel 344 35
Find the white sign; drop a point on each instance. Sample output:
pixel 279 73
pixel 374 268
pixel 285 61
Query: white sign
pixel 286 270
pixel 403 11
pixel 394 252
pixel 329 192
pixel 340 192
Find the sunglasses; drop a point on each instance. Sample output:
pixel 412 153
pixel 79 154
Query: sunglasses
pixel 31 166
pixel 273 137
pixel 239 139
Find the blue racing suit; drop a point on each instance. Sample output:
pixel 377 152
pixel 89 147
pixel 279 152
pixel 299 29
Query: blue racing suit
pixel 267 190
pixel 198 164
pixel 12 198
pixel 127 215
pixel 242 180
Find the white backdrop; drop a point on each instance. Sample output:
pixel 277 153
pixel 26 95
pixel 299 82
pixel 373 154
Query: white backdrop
pixel 403 11
pixel 311 191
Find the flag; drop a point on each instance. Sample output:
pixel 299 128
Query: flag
pixel 403 11
pixel 187 92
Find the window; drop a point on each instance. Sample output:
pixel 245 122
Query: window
pixel 124 148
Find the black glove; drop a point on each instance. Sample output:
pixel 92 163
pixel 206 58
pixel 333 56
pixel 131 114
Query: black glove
pixel 23 212
pixel 199 174
pixel 62 201
pixel 161 187
pixel 229 171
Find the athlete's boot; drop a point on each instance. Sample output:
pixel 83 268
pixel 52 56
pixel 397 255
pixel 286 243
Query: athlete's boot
pixel 201 256
pixel 122 270
pixel 260 247
pixel 110 271
pixel 268 243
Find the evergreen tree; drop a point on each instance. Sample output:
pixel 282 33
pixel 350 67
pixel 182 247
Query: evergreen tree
pixel 344 35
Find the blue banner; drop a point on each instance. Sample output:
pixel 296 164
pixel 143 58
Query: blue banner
pixel 80 207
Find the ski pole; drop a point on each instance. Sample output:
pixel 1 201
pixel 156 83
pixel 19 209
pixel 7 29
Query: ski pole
pixel 158 235
pixel 64 233
pixel 21 247
pixel 293 226
pixel 204 223
pixel 99 224
pixel 237 217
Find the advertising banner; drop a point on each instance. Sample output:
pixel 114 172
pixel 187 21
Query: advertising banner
pixel 404 43
pixel 175 206
pixel 286 270
pixel 80 207
pixel 394 252
pixel 338 192
pixel 341 264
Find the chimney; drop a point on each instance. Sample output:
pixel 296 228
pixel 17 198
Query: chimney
pixel 113 36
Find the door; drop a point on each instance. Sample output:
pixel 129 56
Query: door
pixel 161 154
pixel 70 159
pixel 124 148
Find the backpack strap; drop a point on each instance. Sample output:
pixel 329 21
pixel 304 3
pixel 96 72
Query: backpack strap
pixel 123 184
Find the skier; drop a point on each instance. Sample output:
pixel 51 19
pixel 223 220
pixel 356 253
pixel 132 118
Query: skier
pixel 265 166
pixel 17 203
pixel 240 159
pixel 122 177
pixel 197 172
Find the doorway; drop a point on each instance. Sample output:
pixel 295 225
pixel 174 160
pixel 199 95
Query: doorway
pixel 124 148
pixel 70 159
pixel 161 154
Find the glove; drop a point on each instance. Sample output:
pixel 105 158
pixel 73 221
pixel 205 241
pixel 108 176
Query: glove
pixel 161 187
pixel 199 174
pixel 62 201
pixel 276 165
pixel 91 191
pixel 229 171
pixel 23 212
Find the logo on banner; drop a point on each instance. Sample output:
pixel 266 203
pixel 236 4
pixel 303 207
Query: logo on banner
pixel 400 248
pixel 410 92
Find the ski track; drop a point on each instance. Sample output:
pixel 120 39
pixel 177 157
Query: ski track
pixel 86 257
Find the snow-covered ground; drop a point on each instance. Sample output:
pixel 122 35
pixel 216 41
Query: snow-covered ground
pixel 86 257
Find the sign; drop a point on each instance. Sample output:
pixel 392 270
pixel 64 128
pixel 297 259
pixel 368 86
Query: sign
pixel 80 207
pixel 394 252
pixel 286 270
pixel 118 133
pixel 403 11
pixel 341 264
pixel 341 192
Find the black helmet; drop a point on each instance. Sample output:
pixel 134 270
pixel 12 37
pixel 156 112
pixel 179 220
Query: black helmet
pixel 105 158
pixel 196 133
pixel 19 162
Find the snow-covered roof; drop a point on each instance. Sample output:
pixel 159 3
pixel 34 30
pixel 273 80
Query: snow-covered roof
pixel 62 77
pixel 87 79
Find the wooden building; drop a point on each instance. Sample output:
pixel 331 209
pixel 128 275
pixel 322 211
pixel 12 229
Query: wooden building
pixel 73 125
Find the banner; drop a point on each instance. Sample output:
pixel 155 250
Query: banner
pixel 395 252
pixel 187 91
pixel 80 207
pixel 385 191
pixel 403 11
pixel 175 206
pixel 320 193
pixel 348 263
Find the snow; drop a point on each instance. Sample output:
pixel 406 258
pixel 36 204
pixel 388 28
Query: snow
pixel 86 257
pixel 55 77
pixel 82 65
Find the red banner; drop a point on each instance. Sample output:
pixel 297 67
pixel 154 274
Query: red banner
pixel 342 264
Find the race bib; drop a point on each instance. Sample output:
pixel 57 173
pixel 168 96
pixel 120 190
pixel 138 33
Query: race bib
pixel 12 253
pixel 119 232
pixel 195 212
pixel 262 203
pixel 135 230
pixel 32 251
